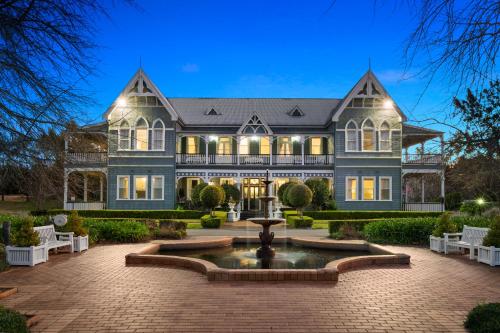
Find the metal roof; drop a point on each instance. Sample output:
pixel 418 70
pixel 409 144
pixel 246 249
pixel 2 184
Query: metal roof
pixel 236 111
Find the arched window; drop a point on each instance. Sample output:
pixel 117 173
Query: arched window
pixel 385 137
pixel 158 135
pixel 124 136
pixel 141 134
pixel 368 135
pixel 351 135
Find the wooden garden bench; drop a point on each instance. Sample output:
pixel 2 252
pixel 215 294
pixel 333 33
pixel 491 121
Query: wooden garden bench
pixel 50 238
pixel 469 238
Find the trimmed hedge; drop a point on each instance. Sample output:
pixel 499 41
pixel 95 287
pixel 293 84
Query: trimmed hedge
pixel 12 321
pixel 129 214
pixel 484 318
pixel 358 225
pixel 301 222
pixel 360 215
pixel 413 231
pixel 210 222
pixel 126 231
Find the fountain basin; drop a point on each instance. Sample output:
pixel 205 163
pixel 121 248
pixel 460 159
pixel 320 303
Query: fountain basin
pixel 335 257
pixel 264 220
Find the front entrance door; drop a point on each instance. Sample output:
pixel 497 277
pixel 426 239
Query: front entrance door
pixel 252 190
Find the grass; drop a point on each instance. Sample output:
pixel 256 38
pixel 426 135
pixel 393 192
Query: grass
pixel 194 225
pixel 320 224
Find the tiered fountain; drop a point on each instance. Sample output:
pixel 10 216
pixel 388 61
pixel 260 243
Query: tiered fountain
pixel 266 237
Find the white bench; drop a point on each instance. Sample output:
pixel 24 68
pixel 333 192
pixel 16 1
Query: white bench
pixel 470 238
pixel 49 238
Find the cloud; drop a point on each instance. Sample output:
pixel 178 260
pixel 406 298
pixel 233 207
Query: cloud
pixel 190 68
pixel 395 76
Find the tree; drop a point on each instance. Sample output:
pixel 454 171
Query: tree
pixel 232 192
pixel 298 196
pixel 195 194
pixel 212 196
pixel 282 192
pixel 320 191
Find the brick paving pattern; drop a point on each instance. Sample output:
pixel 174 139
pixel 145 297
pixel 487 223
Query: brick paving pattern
pixel 96 292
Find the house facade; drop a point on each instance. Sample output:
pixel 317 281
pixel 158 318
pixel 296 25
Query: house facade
pixel 150 150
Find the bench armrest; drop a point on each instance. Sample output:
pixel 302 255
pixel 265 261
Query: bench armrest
pixel 453 234
pixel 65 233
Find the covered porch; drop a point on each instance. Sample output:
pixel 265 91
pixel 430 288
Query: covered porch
pixel 85 189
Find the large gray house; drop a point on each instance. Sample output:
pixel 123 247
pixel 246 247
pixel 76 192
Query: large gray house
pixel 151 150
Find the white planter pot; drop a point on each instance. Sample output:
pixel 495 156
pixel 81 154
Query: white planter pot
pixel 489 255
pixel 80 243
pixel 26 256
pixel 436 244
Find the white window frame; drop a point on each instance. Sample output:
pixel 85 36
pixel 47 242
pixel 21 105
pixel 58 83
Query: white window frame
pixel 162 187
pixel 380 137
pixel 286 143
pixel 380 188
pixel 120 128
pixel 147 134
pixel 374 188
pixel 222 145
pixel 320 145
pixel 374 131
pixel 347 135
pixel 162 130
pixel 347 178
pixel 147 186
pixel 118 177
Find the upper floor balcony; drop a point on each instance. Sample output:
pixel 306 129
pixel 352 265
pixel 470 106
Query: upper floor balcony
pixel 254 159
pixel 412 160
pixel 86 158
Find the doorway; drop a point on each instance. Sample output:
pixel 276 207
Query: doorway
pixel 253 188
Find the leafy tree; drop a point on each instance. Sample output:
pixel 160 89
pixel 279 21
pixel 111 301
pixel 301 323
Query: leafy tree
pixel 212 196
pixel 195 194
pixel 232 192
pixel 282 192
pixel 320 191
pixel 298 196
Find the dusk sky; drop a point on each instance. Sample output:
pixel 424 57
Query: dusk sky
pixel 262 49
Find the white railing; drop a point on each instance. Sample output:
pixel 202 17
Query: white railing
pixel 93 157
pixel 84 205
pixel 255 159
pixel 287 159
pixel 318 159
pixel 191 158
pixel 423 206
pixel 222 159
pixel 422 159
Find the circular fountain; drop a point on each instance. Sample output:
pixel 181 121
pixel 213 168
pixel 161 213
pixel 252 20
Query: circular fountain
pixel 265 251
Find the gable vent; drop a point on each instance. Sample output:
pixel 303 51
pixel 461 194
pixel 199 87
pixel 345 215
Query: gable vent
pixel 296 112
pixel 212 112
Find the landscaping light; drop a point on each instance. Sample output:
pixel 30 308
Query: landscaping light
pixel 122 102
pixel 295 138
pixel 388 104
pixel 213 138
pixel 480 201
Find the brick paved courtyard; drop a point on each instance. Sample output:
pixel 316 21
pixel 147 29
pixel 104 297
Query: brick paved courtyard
pixel 95 292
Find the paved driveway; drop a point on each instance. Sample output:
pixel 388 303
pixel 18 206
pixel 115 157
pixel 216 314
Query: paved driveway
pixel 95 292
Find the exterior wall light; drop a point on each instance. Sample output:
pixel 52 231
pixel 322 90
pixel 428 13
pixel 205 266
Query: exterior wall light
pixel 296 138
pixel 213 138
pixel 254 138
pixel 388 104
pixel 122 102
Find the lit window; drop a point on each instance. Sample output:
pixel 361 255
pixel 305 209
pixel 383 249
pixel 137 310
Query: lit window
pixel 124 136
pixel 192 145
pixel 141 135
pixel 316 146
pixel 285 145
pixel 368 136
pixel 351 136
pixel 224 146
pixel 244 148
pixel 351 188
pixel 385 137
pixel 385 188
pixel 158 135
pixel 368 188
pixel 140 187
pixel 265 145
pixel 157 187
pixel 123 187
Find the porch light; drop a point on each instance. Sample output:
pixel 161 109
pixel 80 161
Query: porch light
pixel 213 138
pixel 254 138
pixel 122 102
pixel 296 138
pixel 388 104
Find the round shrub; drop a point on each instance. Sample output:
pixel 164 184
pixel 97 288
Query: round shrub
pixel 282 192
pixel 195 194
pixel 25 235
pixel 232 192
pixel 484 318
pixel 493 236
pixel 75 224
pixel 444 225
pixel 12 321
pixel 212 196
pixel 301 222
pixel 320 191
pixel 298 196
pixel 210 222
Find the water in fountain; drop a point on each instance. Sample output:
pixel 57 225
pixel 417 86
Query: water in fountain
pixel 265 251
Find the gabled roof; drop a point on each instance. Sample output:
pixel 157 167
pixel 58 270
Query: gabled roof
pixel 254 125
pixel 367 86
pixel 141 85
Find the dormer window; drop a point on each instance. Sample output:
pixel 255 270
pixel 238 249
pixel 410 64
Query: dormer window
pixel 296 112
pixel 212 112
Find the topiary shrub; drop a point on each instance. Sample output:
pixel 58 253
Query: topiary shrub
pixel 298 196
pixel 320 192
pixel 231 192
pixel 484 318
pixel 444 225
pixel 282 192
pixel 12 321
pixel 195 194
pixel 212 196
pixel 210 222
pixel 300 222
pixel 493 236
pixel 23 234
pixel 75 225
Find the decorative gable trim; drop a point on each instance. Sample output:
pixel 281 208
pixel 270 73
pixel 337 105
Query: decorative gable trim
pixel 141 85
pixel 368 86
pixel 255 125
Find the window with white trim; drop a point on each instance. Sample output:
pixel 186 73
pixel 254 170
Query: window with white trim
pixel 385 188
pixel 265 145
pixel 158 135
pixel 157 187
pixel 244 146
pixel 124 136
pixel 368 188
pixel 351 188
pixel 123 184
pixel 192 144
pixel 140 187
pixel 316 146
pixel 368 133
pixel 385 137
pixel 351 133
pixel 224 145
pixel 285 145
pixel 141 135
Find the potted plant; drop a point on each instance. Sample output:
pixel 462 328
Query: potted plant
pixel 444 225
pixel 26 248
pixel 489 252
pixel 80 234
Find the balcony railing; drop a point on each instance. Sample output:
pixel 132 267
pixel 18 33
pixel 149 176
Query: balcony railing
pixel 84 205
pixel 87 158
pixel 423 206
pixel 254 159
pixel 416 159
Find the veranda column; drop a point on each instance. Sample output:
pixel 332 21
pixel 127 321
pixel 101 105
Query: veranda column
pixel 271 150
pixel 238 150
pixel 422 184
pixel 206 149
pixel 302 150
pixel 85 182
pixel 101 188
pixel 65 195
